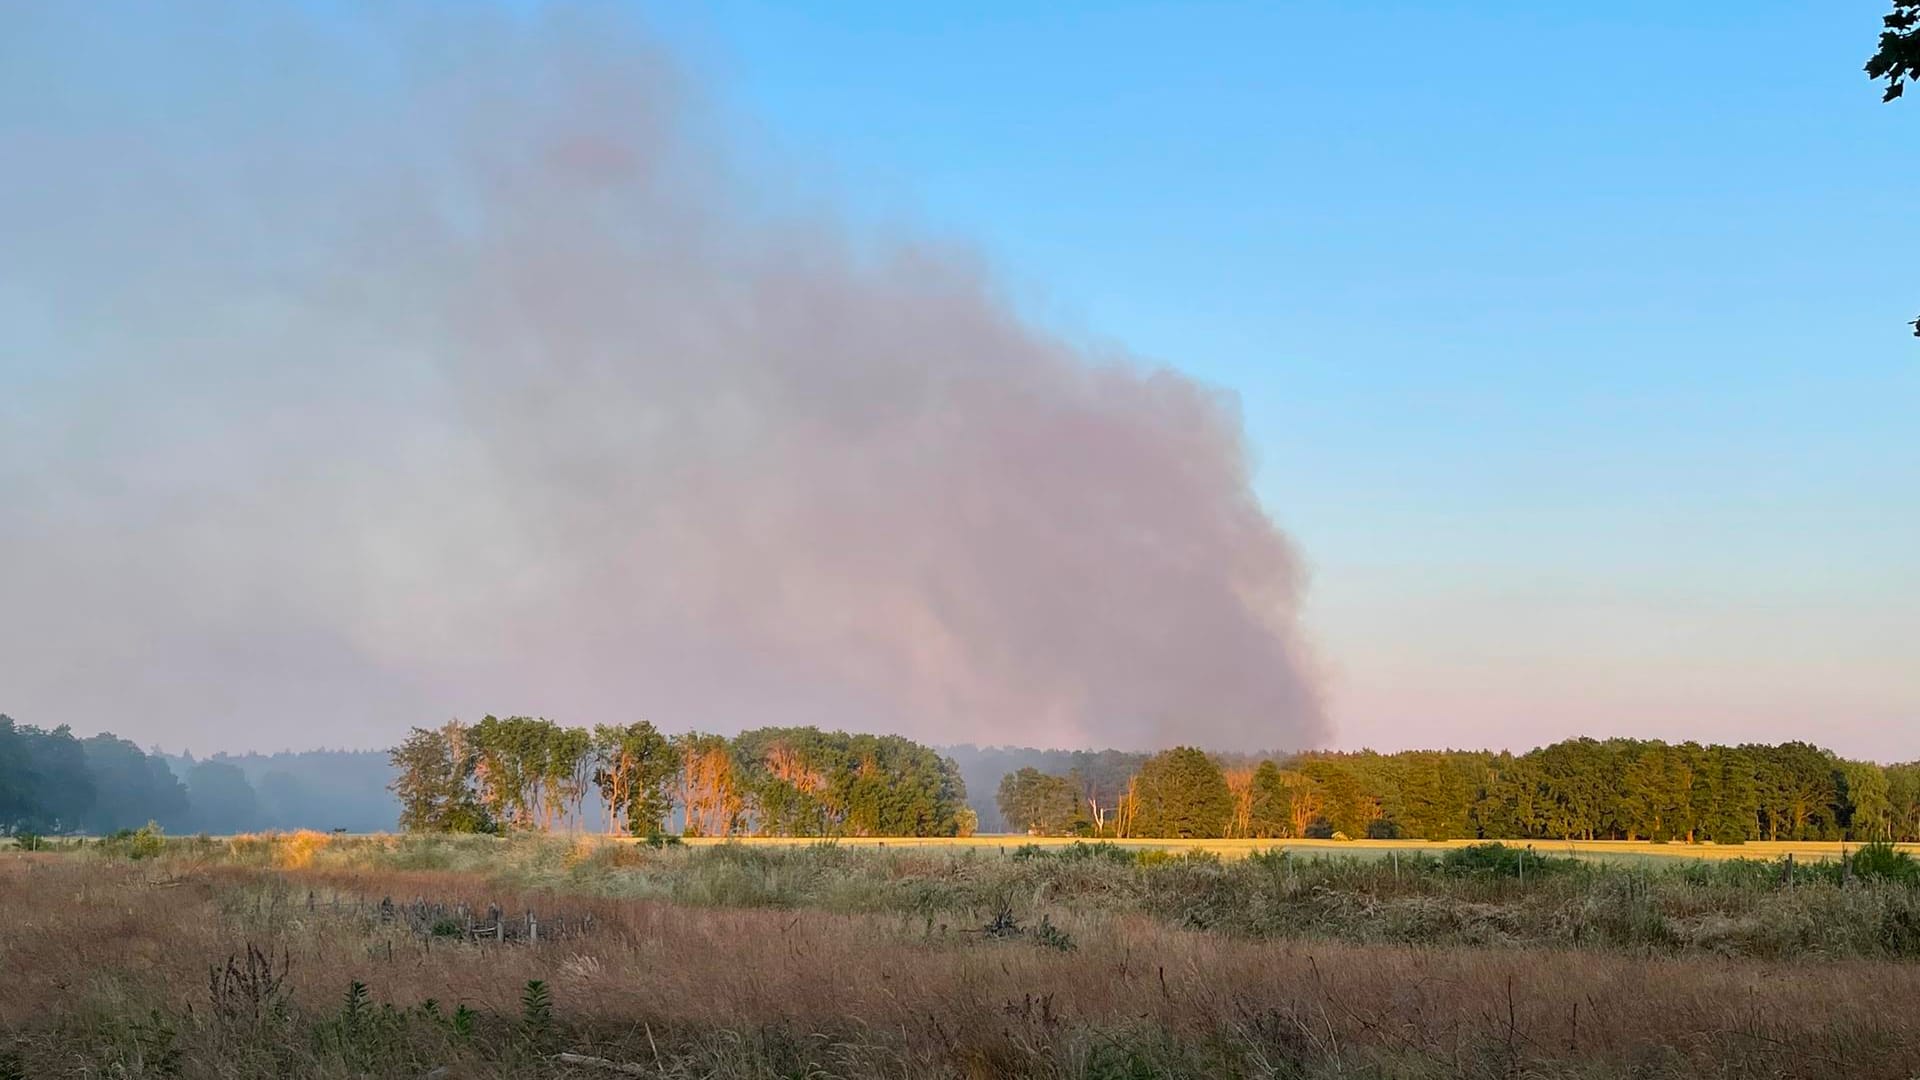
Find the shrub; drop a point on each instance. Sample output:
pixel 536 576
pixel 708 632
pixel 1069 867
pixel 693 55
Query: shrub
pixel 1499 860
pixel 1383 829
pixel 1048 936
pixel 147 842
pixel 1104 850
pixel 1163 857
pixel 1882 860
pixel 1078 851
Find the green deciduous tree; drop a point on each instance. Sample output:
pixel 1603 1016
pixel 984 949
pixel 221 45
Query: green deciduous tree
pixel 1183 794
pixel 131 787
pixel 219 798
pixel 1346 806
pixel 1867 801
pixel 522 769
pixel 59 789
pixel 15 776
pixel 1433 800
pixel 1034 802
pixel 634 770
pixel 434 781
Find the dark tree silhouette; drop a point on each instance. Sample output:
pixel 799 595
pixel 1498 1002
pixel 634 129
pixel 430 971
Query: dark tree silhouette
pixel 1898 59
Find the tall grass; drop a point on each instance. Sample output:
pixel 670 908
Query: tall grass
pixel 1485 895
pixel 816 962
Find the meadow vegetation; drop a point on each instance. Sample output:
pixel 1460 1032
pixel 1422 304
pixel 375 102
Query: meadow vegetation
pixel 317 955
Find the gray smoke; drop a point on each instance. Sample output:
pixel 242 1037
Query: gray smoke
pixel 360 373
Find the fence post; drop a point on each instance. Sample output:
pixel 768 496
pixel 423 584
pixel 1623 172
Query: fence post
pixel 533 928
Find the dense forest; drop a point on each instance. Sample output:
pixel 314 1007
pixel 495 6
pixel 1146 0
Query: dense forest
pixel 1617 789
pixel 52 781
pixel 522 773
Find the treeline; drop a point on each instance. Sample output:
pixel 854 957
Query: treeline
pixel 290 789
pixel 53 782
pixel 522 773
pixel 1104 772
pixel 525 773
pixel 1617 789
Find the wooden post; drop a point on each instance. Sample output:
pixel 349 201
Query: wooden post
pixel 533 928
pixel 1396 865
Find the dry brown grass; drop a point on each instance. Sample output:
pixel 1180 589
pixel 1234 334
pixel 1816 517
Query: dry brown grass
pixel 732 992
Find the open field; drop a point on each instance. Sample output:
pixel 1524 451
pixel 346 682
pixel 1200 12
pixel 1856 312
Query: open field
pixel 1600 850
pixel 1607 851
pixel 822 961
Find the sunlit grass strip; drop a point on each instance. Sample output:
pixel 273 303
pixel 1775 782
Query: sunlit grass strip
pixel 1804 850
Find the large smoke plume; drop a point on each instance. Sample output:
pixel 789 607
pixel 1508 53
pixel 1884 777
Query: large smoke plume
pixel 356 374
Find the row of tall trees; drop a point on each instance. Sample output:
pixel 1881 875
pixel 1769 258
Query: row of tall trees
pixel 525 773
pixel 1623 789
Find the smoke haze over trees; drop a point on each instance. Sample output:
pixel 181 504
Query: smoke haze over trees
pixel 524 773
pixel 457 361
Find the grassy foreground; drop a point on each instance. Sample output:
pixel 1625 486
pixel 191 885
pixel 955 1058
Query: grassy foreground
pixel 319 956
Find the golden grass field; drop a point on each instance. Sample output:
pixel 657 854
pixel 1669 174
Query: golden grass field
pixel 1598 850
pixel 1604 850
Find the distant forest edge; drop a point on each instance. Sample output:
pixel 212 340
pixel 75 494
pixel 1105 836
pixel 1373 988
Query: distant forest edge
pixel 521 773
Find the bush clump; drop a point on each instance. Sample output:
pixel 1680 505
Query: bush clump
pixel 1886 862
pixel 149 841
pixel 1499 860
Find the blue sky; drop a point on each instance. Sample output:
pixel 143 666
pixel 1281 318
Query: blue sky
pixel 1569 337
